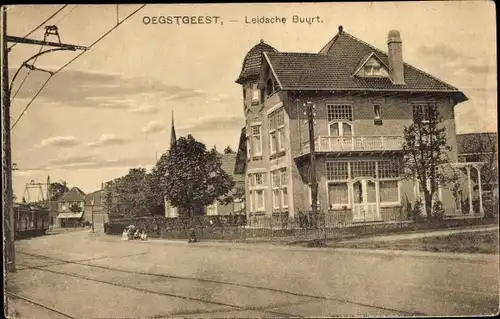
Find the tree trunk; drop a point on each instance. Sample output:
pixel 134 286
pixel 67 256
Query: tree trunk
pixel 428 203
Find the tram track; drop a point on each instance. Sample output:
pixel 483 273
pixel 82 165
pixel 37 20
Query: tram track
pixel 39 304
pixel 235 307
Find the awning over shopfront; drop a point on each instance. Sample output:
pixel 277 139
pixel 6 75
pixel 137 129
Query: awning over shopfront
pixel 70 215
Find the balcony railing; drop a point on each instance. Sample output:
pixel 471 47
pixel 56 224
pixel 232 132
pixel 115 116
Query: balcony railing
pixel 355 143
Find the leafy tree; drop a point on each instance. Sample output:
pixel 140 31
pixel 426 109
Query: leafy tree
pixel 132 195
pixel 57 189
pixel 193 177
pixel 228 150
pixel 425 153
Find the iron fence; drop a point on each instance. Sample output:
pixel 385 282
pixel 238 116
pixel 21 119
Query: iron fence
pixel 282 228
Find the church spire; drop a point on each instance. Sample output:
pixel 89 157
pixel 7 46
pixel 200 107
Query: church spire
pixel 173 138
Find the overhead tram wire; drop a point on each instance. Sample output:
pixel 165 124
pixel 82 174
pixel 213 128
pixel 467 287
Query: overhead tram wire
pixel 41 48
pixel 26 77
pixel 66 14
pixel 71 61
pixel 41 24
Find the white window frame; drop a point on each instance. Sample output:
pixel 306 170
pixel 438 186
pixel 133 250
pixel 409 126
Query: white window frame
pixel 341 128
pixel 214 208
pixel 379 117
pixel 282 184
pixel 340 122
pixel 277 130
pixel 252 138
pixel 255 92
pixel 254 188
pixel 263 207
pixel 249 142
pixel 280 129
pixel 349 181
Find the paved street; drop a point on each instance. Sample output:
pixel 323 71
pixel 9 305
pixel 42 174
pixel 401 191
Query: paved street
pixel 87 275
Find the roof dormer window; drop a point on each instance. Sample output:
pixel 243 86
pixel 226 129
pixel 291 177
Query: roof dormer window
pixel 372 67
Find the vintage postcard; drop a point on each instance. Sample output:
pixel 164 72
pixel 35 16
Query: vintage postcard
pixel 250 160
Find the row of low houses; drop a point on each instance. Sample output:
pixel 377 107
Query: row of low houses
pixel 75 207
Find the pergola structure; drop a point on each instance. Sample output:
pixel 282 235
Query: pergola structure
pixel 468 166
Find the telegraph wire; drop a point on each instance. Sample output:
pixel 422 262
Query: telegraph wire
pixel 69 62
pixel 98 40
pixel 41 24
pixel 41 48
pixel 64 16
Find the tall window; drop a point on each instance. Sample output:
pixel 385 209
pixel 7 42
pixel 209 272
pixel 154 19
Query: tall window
pixel 257 186
pixel 422 112
pixel 277 131
pixel 280 188
pixel 339 120
pixel 337 175
pixel 255 92
pixel 256 145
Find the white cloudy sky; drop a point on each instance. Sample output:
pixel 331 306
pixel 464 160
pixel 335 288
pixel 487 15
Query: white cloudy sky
pixel 111 109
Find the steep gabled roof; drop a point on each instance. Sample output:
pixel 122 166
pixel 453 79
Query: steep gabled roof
pixel 252 62
pixel 73 195
pixel 333 67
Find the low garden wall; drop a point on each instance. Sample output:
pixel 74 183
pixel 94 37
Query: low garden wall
pixel 218 228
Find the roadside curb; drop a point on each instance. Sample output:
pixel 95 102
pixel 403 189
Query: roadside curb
pixel 468 257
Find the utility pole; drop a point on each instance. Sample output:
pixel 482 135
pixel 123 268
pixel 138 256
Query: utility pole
pixel 49 203
pixel 92 210
pixel 314 183
pixel 8 208
pixel 8 203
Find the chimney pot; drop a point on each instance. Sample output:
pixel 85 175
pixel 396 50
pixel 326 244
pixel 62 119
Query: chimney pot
pixel 395 57
pixel 341 28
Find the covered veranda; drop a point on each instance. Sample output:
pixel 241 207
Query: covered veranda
pixel 468 168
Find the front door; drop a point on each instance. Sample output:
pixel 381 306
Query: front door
pixel 365 206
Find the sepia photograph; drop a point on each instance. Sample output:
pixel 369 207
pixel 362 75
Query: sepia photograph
pixel 250 160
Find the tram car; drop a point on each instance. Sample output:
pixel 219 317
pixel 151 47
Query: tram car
pixel 30 220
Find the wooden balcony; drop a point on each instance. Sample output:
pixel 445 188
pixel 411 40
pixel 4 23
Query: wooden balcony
pixel 335 144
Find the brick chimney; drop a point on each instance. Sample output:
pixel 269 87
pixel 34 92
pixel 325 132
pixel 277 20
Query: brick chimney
pixel 395 54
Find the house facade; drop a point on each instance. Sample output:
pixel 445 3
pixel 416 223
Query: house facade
pixel 363 98
pixel 70 208
pixel 93 209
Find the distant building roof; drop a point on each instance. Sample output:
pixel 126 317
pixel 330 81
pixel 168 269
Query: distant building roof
pixel 96 196
pixel 228 165
pixel 73 195
pixel 473 143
